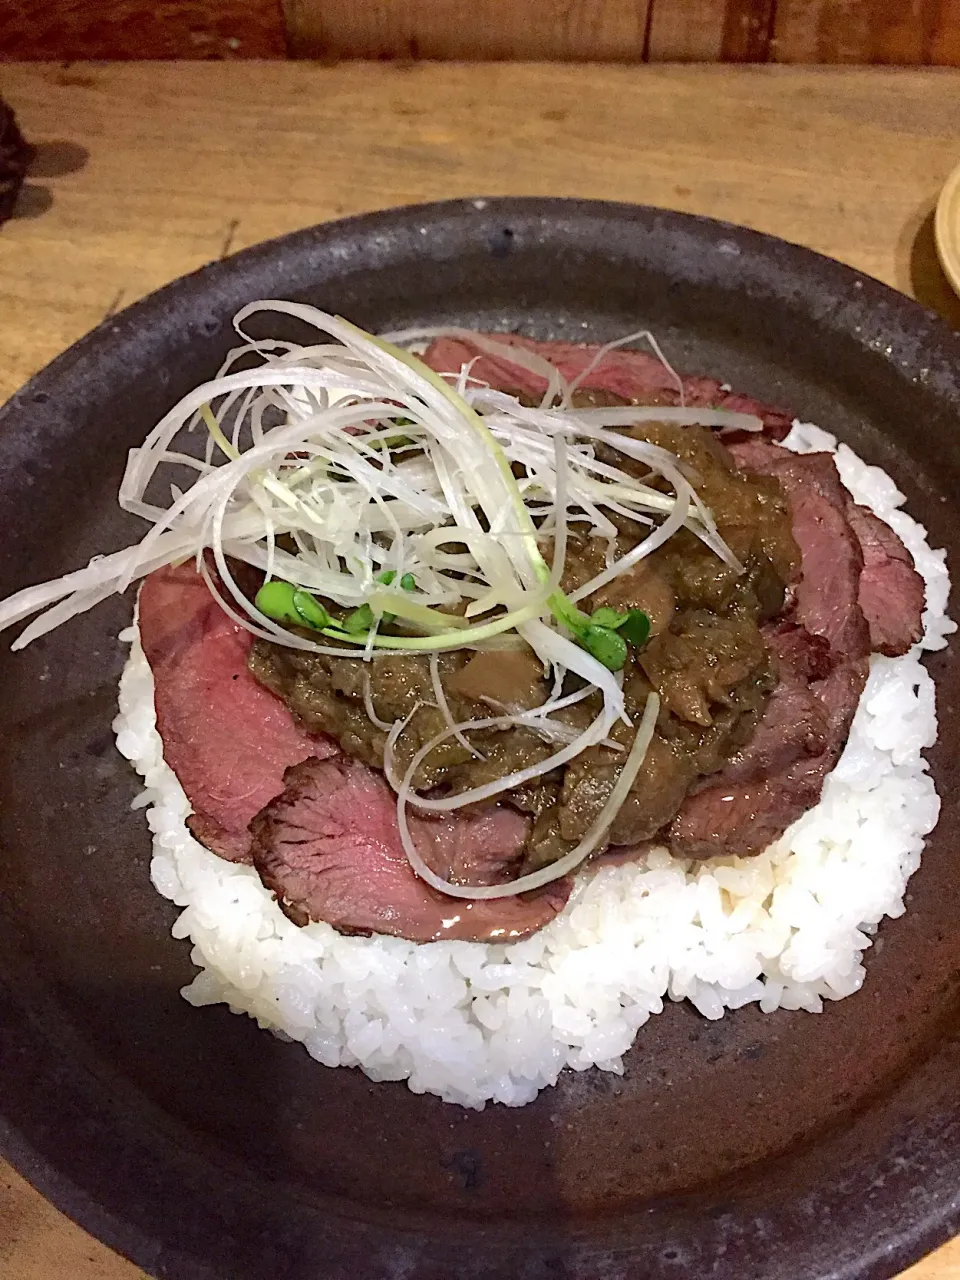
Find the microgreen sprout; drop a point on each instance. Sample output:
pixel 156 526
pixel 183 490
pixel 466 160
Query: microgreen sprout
pixel 604 634
pixel 359 621
pixel 310 610
pixel 275 599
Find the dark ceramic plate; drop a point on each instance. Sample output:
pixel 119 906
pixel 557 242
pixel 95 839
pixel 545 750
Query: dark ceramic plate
pixel 786 1146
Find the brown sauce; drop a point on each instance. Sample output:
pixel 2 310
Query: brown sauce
pixel 706 658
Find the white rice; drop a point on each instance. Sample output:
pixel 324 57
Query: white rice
pixel 473 1022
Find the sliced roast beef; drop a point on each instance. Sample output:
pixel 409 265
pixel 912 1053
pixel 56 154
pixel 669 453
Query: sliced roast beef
pixel 633 376
pixel 798 652
pixel 742 818
pixel 481 847
pixel 827 595
pixel 793 726
pixel 858 592
pixel 329 847
pixel 891 591
pixel 226 738
pixel 756 454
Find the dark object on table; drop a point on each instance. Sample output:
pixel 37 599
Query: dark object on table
pixel 782 1147
pixel 15 156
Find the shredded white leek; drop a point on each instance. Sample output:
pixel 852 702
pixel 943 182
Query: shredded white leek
pixel 379 469
pixel 563 866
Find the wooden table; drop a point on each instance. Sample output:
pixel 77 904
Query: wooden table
pixel 147 171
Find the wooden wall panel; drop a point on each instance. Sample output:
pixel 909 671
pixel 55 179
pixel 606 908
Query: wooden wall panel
pixel 908 32
pixel 945 43
pixel 711 30
pixel 747 28
pixel 570 30
pixel 899 32
pixel 75 29
pixel 687 30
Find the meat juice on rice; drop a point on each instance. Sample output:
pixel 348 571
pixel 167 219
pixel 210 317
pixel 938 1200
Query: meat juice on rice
pixel 474 1022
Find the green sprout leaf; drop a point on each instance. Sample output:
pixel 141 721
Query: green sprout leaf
pixel 284 602
pixel 310 610
pixel 607 646
pixel 636 628
pixel 276 600
pixel 358 621
pixel 605 617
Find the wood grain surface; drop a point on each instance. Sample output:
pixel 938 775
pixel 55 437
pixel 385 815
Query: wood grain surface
pixel 469 29
pixel 687 31
pixel 921 32
pixel 146 172
pixel 808 31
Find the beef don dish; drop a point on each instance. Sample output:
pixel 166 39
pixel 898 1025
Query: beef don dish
pixel 512 642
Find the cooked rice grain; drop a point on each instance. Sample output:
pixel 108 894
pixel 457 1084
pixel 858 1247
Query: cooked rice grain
pixel 473 1022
